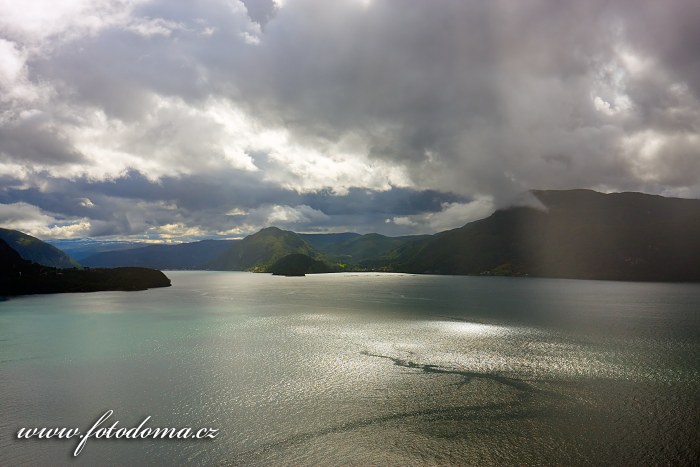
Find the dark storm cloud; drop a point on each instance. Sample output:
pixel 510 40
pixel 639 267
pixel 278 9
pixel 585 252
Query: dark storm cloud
pixel 260 11
pixel 398 201
pixel 34 138
pixel 58 200
pixel 470 95
pixel 483 93
pixel 118 70
pixel 669 31
pixel 397 74
pixel 132 204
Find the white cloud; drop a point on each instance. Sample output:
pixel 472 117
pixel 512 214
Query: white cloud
pixel 286 215
pixel 150 27
pixel 12 63
pixel 14 82
pixel 35 21
pixel 178 231
pixel 31 220
pixel 451 216
pixel 237 212
pixel 86 203
pixel 250 38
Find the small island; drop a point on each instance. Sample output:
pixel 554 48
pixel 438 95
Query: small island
pixel 298 264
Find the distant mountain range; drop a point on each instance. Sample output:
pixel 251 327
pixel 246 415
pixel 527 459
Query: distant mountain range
pixel 81 248
pixel 256 252
pixel 195 255
pixel 577 234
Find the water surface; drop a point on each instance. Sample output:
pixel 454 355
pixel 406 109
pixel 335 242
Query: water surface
pixel 360 369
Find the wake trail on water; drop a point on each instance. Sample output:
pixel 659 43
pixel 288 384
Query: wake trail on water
pixel 502 410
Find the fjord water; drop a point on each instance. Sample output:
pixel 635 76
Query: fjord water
pixel 359 369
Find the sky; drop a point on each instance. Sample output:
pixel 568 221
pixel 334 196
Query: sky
pixel 171 121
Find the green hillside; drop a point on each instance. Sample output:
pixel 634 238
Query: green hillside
pixel 298 264
pixel 358 251
pixel 580 234
pixel 259 251
pixel 33 249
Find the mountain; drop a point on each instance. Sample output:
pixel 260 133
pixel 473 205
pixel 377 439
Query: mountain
pixel 298 264
pixel 325 241
pixel 34 250
pixel 81 248
pixel 372 247
pixel 579 234
pixel 357 250
pixel 21 277
pixel 257 251
pixel 260 250
pixel 193 255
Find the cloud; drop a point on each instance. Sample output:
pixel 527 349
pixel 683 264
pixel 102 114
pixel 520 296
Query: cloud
pixel 154 27
pixel 451 215
pixel 222 203
pixel 178 231
pixel 48 23
pixel 479 97
pixel 33 138
pixel 339 115
pixel 34 222
pixel 287 216
pixel 261 11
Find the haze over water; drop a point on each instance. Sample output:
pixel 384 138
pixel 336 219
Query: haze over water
pixel 360 369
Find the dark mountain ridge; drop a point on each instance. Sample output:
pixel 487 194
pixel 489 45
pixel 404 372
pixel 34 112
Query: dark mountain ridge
pixel 34 250
pixel 21 277
pixel 580 234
